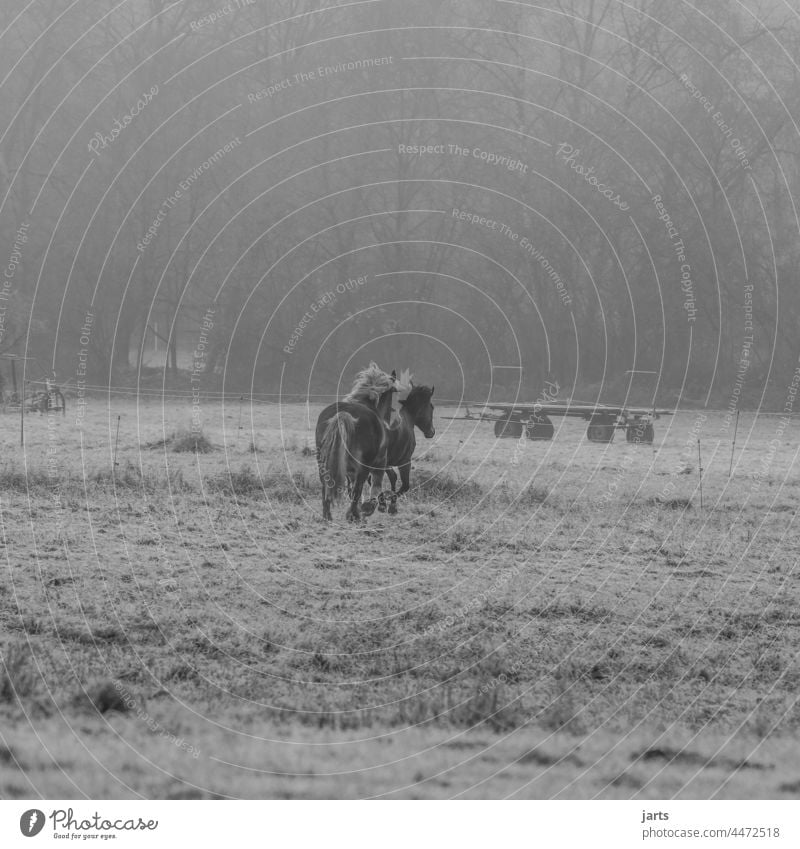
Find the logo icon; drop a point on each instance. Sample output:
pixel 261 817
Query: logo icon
pixel 31 822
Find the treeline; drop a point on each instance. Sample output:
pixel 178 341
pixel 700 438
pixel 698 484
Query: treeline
pixel 490 194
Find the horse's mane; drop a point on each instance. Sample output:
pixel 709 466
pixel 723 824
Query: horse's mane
pixel 369 385
pixel 419 393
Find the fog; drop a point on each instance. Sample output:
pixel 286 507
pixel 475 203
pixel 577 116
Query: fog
pixel 493 194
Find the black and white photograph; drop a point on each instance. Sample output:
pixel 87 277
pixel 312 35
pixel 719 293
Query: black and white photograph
pixel 400 401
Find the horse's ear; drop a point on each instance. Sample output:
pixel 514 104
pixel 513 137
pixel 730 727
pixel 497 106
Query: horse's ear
pixel 394 374
pixel 432 388
pixel 404 380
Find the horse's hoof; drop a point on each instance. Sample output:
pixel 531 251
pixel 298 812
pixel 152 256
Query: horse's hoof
pixel 353 517
pixel 368 507
pixel 381 506
pixel 393 509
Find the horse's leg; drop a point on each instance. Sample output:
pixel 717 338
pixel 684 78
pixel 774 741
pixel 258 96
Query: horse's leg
pixel 405 477
pixel 392 475
pixel 375 477
pixel 376 493
pixel 326 500
pixel 354 512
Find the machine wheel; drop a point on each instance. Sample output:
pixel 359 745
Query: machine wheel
pixel 540 428
pixel 601 428
pixel 56 402
pixel 508 428
pixel 640 432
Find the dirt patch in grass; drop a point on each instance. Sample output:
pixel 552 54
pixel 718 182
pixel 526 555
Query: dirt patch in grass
pixel 444 486
pixel 183 442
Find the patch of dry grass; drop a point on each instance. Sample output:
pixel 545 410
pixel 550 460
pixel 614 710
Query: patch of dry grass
pixel 556 617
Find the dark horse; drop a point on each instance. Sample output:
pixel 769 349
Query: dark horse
pixel 351 438
pixel 415 411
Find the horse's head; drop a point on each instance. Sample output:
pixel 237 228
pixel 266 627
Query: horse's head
pixel 418 405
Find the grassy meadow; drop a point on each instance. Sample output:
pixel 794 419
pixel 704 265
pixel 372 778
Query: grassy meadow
pixel 541 619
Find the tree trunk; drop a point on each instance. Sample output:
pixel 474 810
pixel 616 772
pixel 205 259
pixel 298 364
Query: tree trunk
pixel 120 352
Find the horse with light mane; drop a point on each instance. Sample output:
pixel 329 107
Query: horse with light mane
pixel 416 410
pixel 351 438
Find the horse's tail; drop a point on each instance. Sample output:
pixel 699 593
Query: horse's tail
pixel 333 451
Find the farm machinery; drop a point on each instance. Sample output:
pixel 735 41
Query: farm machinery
pixel 34 396
pixel 44 399
pixel 533 420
